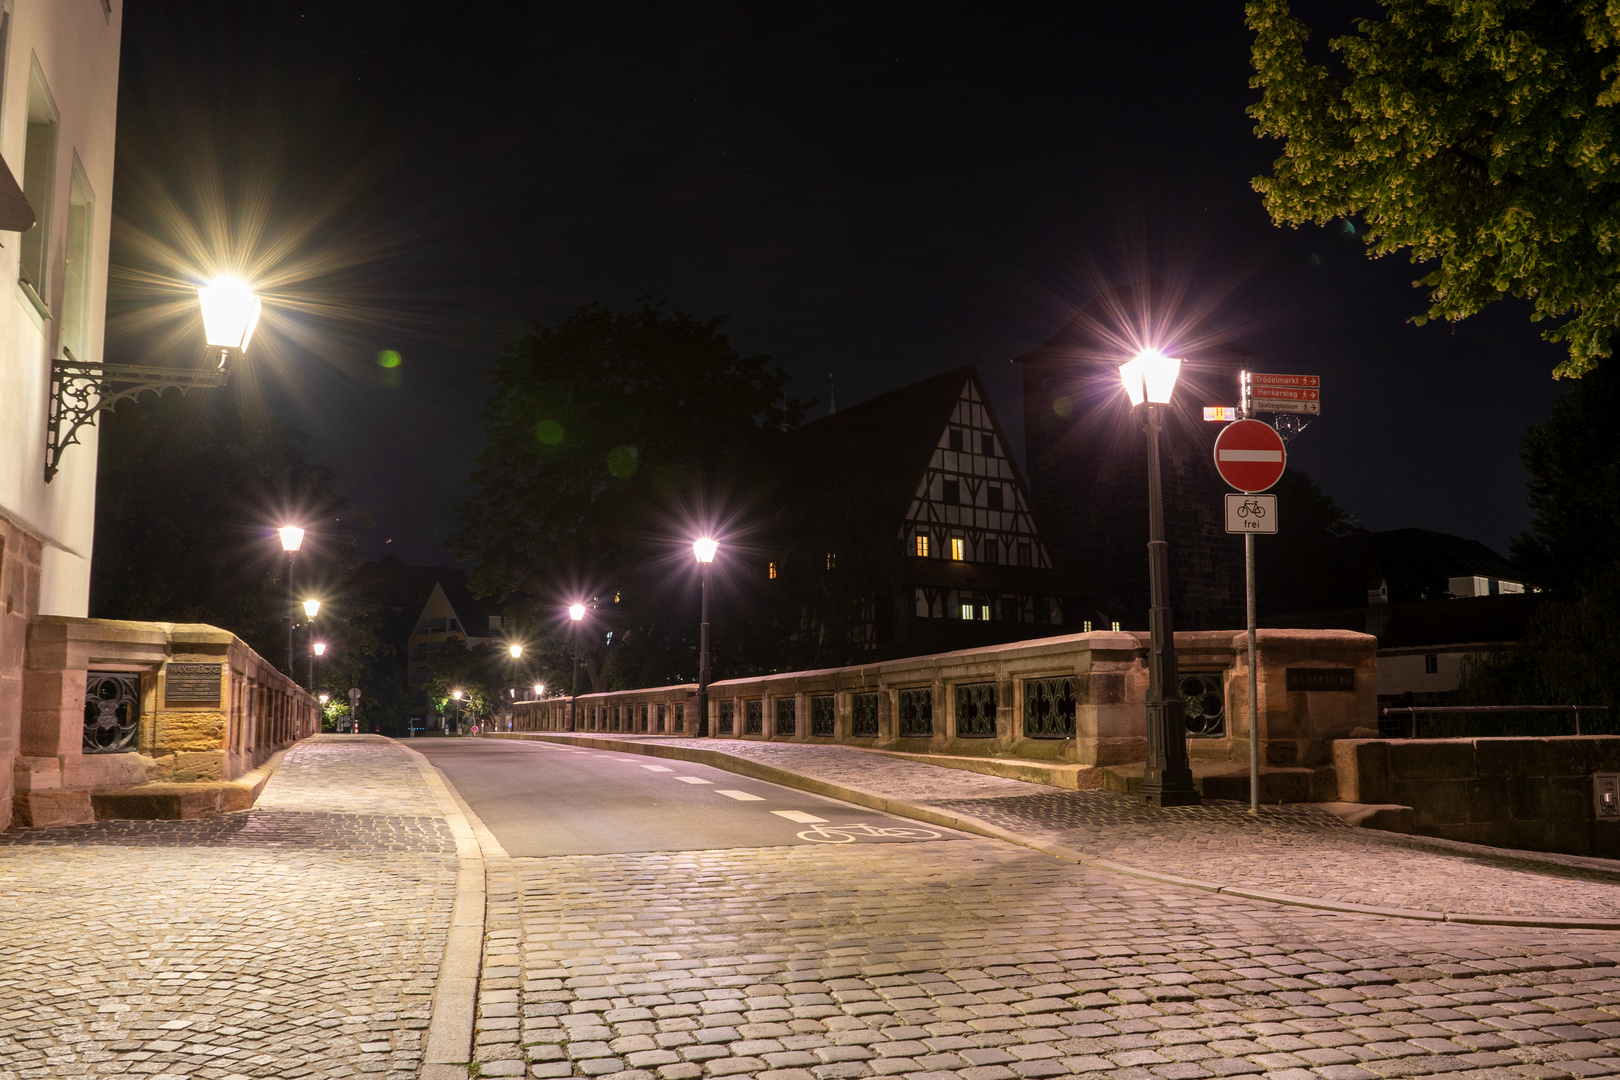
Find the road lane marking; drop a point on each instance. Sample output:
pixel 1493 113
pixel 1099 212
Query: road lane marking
pixel 740 796
pixel 692 780
pixel 656 768
pixel 800 816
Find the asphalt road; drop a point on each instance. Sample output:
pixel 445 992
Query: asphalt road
pixel 543 799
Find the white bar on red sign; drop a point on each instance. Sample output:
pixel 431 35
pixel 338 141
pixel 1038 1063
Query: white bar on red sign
pixel 1256 379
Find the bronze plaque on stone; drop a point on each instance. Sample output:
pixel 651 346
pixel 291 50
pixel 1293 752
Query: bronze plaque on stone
pixel 1320 679
pixel 191 684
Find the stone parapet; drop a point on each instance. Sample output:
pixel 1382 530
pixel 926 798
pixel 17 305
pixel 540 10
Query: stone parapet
pixel 1315 686
pixel 206 709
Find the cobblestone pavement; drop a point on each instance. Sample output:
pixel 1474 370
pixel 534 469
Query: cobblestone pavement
pixel 979 960
pixel 1300 850
pixel 298 939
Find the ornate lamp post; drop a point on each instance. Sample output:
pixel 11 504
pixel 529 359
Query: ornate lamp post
pixel 704 548
pixel 576 612
pixel 316 651
pixel 516 651
pixel 292 538
pixel 1150 379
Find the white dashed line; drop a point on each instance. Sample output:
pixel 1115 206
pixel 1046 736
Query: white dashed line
pixel 800 816
pixel 740 796
pixel 656 768
pixel 692 780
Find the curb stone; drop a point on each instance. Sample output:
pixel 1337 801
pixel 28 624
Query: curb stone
pixel 448 1047
pixel 963 823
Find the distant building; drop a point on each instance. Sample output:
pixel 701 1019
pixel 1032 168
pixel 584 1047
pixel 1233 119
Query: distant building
pixel 914 491
pixel 1088 463
pixel 449 619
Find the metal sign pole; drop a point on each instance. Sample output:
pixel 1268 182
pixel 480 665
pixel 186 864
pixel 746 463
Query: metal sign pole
pixel 1254 675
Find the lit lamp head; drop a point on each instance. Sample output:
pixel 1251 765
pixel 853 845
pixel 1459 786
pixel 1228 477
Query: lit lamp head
pixel 320 648
pixel 325 698
pixel 539 688
pixel 705 548
pixel 516 651
pixel 576 612
pixel 456 694
pixel 1150 376
pixel 312 608
pixel 230 313
pixel 292 537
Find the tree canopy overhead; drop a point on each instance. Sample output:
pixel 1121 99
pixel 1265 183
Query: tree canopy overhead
pixel 1480 136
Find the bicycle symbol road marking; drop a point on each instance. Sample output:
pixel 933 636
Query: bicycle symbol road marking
pixel 848 834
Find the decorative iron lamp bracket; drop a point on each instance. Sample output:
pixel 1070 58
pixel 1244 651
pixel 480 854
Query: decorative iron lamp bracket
pixel 80 390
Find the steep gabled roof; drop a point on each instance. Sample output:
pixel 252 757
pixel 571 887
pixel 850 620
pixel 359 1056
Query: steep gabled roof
pixel 881 447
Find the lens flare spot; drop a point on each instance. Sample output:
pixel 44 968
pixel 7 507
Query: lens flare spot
pixel 1063 405
pixel 1348 226
pixel 549 432
pixel 388 358
pixel 622 461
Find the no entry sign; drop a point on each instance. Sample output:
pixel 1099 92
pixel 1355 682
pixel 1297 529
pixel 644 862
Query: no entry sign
pixel 1249 455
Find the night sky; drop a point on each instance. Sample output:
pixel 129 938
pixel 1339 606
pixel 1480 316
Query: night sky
pixel 875 192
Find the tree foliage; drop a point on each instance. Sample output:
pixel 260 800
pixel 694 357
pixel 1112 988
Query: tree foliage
pixel 612 439
pixel 1481 136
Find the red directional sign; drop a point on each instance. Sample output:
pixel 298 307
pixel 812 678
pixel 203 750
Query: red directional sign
pixel 1250 455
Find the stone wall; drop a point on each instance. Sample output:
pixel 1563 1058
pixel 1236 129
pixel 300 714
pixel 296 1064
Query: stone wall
pixel 20 557
pixel 210 709
pixel 1108 675
pixel 1534 793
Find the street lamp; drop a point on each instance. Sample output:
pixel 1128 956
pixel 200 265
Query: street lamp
pixel 576 612
pixel 292 538
pixel 456 723
pixel 516 651
pixel 1150 379
pixel 311 609
pixel 316 650
pixel 230 312
pixel 704 548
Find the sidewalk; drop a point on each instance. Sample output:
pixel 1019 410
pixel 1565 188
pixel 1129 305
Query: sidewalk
pixel 301 938
pixel 1294 853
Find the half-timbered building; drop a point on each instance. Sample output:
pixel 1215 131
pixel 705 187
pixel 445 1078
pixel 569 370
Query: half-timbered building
pixel 913 498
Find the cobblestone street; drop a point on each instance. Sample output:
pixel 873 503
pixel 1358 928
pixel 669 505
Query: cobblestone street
pixel 980 960
pixel 300 938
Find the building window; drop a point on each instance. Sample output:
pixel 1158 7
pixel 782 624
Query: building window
pixel 39 178
pixel 1114 626
pixel 950 492
pixel 984 612
pixel 922 545
pixel 1009 609
pixel 958 549
pixel 1085 627
pixel 1431 664
pixel 770 571
pixel 987 444
pixel 967 612
pixel 993 495
pixel 1026 554
pixel 832 559
pixel 76 292
pixel 956 439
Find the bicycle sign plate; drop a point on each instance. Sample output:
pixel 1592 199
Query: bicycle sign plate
pixel 1251 513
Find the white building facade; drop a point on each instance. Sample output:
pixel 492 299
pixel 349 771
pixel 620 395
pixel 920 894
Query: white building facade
pixel 58 115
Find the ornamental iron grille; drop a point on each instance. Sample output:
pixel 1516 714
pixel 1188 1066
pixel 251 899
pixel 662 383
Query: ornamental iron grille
pixel 112 711
pixel 917 714
pixel 976 710
pixel 787 716
pixel 1048 708
pixel 617 711
pixel 660 719
pixel 754 717
pixel 863 716
pixel 1205 700
pixel 644 711
pixel 680 718
pixel 821 716
pixel 728 718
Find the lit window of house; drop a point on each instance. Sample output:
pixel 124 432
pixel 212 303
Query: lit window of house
pixel 1114 625
pixel 967 611
pixel 984 612
pixel 1086 626
pixel 922 545
pixel 832 560
pixel 958 549
pixel 770 571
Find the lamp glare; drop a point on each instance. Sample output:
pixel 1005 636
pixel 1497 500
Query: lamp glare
pixel 576 611
pixel 230 312
pixel 705 548
pixel 291 537
pixel 1150 376
pixel 312 608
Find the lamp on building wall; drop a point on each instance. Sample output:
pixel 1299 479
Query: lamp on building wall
pixel 81 387
pixel 1150 380
pixel 704 548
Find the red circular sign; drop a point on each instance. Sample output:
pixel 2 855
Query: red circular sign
pixel 1249 455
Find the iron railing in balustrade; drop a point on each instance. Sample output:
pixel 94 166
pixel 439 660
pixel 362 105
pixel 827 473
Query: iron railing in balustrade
pixel 1458 731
